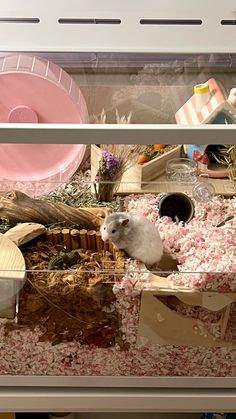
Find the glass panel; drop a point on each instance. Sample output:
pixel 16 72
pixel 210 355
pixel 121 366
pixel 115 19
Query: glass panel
pixel 117 88
pixel 151 294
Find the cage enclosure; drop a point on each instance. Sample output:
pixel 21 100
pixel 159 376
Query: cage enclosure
pixel 107 109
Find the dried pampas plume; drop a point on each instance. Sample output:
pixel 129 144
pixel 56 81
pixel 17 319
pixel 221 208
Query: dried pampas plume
pixel 101 118
pixel 123 119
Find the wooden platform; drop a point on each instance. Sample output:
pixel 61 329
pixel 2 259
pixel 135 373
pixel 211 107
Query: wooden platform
pixel 222 186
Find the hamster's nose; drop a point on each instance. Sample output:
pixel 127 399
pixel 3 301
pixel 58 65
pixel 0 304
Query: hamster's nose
pixel 105 236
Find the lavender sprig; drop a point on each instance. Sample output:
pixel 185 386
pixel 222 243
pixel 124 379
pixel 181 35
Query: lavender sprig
pixel 109 166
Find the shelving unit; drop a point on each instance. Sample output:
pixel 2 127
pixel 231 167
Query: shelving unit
pixel 131 27
pixel 118 394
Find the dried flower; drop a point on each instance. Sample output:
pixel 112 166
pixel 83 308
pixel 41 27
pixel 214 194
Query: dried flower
pixel 116 159
pixel 123 119
pixel 109 167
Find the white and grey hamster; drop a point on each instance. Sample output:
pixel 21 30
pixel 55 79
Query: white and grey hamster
pixel 135 234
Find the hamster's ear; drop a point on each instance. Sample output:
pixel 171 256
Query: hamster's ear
pixel 107 211
pixel 124 222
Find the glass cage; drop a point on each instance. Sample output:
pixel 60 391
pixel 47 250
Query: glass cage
pixel 117 254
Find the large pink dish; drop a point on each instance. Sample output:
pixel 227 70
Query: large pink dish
pixel 37 169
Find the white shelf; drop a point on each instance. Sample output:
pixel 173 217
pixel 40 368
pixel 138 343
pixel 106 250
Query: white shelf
pixel 117 134
pixel 117 394
pixel 116 400
pixel 35 26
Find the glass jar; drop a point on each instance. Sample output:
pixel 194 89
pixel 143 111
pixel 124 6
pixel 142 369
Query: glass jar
pixel 181 170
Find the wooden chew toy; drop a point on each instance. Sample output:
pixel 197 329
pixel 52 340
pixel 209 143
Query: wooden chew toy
pixel 57 236
pixel 85 239
pixel 90 240
pixel 74 239
pixel 99 242
pixel 17 207
pixel 66 238
pixel 91 236
pixel 25 232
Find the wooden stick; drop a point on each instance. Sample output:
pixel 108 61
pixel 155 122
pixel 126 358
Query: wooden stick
pixel 17 207
pixel 66 238
pixel 83 239
pixel 75 239
pixel 49 236
pixel 57 236
pixel 99 242
pixel 91 236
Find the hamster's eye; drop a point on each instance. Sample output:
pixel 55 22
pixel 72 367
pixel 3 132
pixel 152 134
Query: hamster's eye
pixel 113 231
pixel 104 228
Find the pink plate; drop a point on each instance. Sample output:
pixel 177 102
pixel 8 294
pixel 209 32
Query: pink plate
pixel 37 169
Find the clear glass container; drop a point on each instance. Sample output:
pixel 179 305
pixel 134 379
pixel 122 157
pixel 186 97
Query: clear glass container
pixel 181 170
pixel 72 305
pixel 136 88
pixel 85 308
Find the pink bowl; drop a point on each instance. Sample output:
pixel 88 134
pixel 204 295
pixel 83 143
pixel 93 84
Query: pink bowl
pixel 37 169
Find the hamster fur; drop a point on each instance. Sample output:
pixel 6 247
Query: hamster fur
pixel 135 234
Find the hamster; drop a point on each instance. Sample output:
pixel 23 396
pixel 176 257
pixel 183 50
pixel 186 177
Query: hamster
pixel 135 234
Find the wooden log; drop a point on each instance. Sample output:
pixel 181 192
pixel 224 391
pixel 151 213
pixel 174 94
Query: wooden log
pixel 91 237
pixel 17 207
pixel 66 238
pixel 75 239
pixel 99 242
pixel 57 236
pixel 98 211
pixel 83 239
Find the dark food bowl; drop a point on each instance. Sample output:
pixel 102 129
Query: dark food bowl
pixel 176 205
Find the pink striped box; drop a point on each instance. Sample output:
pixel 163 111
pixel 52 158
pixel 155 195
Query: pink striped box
pixel 188 115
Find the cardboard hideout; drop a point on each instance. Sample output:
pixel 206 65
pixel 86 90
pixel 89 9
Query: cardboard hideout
pixel 161 324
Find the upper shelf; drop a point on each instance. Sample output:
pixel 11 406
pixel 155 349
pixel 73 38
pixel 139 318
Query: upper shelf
pixel 165 26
